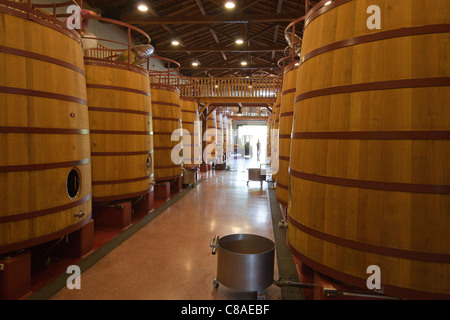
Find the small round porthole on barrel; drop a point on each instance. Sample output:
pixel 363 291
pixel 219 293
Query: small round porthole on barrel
pixel 73 183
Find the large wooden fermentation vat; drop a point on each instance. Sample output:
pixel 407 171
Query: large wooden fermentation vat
pixel 166 122
pixel 219 141
pixel 211 138
pixel 45 169
pixel 226 138
pixel 285 130
pixel 120 117
pixel 269 135
pixel 192 156
pixel 274 163
pixel 230 140
pixel 370 159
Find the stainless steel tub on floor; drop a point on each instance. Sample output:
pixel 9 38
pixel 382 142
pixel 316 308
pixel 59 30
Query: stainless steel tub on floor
pixel 245 262
pixel 257 174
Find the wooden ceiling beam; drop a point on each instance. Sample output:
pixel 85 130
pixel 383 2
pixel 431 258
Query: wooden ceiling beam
pixel 260 32
pixel 200 19
pixel 231 67
pixel 222 48
pixel 168 28
pixel 249 5
pixel 259 57
pixel 213 33
pixel 275 35
pixel 200 6
pixel 184 33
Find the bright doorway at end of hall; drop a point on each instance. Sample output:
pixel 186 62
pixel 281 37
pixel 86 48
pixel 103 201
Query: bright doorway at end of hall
pixel 246 140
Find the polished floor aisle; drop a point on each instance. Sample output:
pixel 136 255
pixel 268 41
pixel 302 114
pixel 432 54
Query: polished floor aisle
pixel 170 258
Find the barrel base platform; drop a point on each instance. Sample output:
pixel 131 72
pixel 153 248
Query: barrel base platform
pixel 164 188
pixel 119 214
pixel 21 270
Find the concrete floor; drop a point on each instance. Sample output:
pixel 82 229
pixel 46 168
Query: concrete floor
pixel 170 258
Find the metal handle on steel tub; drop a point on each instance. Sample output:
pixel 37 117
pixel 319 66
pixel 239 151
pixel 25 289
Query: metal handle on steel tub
pixel 214 244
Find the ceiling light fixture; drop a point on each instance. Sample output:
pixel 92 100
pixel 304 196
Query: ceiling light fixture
pixel 230 4
pixel 175 43
pixel 239 113
pixel 329 2
pixel 243 63
pixel 195 63
pixel 142 7
pixel 239 41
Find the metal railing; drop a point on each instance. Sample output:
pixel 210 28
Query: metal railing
pixel 232 87
pixel 53 6
pixel 126 55
pixel 293 50
pixel 247 112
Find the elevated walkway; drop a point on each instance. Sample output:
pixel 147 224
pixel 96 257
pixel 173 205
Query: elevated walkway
pixel 261 90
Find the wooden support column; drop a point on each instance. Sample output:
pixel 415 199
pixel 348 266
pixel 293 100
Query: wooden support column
pixel 204 108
